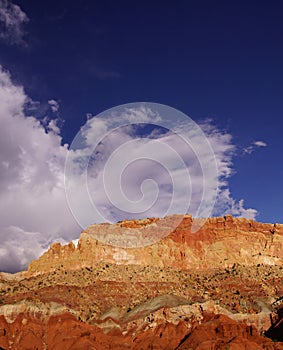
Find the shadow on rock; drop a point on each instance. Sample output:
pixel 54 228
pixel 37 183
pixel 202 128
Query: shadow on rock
pixel 275 332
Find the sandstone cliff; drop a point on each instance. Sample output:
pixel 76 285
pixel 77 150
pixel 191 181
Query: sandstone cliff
pixel 219 242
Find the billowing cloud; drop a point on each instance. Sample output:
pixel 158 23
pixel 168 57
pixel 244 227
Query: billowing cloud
pixel 143 178
pixel 12 21
pixel 226 204
pixel 33 208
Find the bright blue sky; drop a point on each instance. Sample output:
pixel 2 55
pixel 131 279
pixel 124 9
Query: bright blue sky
pixel 220 60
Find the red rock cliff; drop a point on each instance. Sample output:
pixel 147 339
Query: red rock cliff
pixel 219 242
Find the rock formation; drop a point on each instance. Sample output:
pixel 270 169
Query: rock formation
pixel 218 288
pixel 220 242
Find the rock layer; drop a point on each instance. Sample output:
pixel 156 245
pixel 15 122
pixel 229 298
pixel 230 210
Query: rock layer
pixel 218 242
pixel 218 288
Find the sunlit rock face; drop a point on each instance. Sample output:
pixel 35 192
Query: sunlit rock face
pixel 219 242
pixel 220 287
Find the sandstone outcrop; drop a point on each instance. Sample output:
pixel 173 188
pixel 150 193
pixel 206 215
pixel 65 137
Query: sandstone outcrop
pixel 64 331
pixel 218 288
pixel 219 242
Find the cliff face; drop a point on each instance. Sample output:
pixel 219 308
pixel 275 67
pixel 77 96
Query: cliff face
pixel 219 242
pixel 220 287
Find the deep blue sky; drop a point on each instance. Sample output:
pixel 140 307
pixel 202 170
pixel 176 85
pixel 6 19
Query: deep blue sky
pixel 216 59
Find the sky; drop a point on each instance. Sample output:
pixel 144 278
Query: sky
pixel 210 72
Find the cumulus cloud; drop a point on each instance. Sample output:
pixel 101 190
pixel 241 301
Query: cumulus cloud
pixel 129 178
pixel 53 126
pixel 256 144
pixel 226 204
pixel 12 21
pixel 33 207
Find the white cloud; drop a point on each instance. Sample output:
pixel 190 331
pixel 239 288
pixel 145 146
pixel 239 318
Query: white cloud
pixel 256 144
pixel 54 105
pixel 18 247
pixel 226 204
pixel 12 20
pixel 135 178
pixel 33 207
pixel 52 126
pixel 260 144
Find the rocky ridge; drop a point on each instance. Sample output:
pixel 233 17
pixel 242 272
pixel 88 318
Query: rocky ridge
pixel 220 242
pixel 218 288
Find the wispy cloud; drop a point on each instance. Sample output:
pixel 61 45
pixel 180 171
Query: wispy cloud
pixel 54 105
pixel 12 21
pixel 251 148
pixel 260 144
